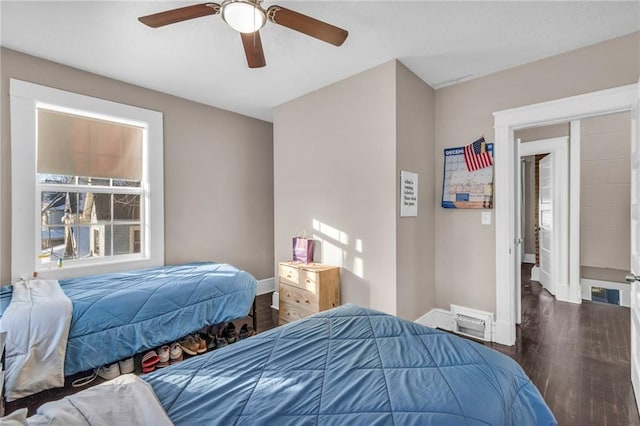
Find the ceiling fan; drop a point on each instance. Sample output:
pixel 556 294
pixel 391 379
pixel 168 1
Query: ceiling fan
pixel 247 17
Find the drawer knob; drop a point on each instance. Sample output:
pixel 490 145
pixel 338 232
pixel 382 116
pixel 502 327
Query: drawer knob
pixel 308 281
pixel 288 275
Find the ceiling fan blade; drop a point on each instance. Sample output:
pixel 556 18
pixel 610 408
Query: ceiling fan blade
pixel 181 14
pixel 307 25
pixel 253 49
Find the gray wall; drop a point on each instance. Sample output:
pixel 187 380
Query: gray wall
pixel 415 235
pixel 338 155
pixel 218 169
pixel 465 254
pixel 544 132
pixel 605 188
pixel 334 176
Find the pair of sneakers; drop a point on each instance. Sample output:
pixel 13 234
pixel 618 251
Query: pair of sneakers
pixel 111 371
pixel 175 353
pixel 161 358
pixel 229 333
pixel 225 334
pixel 193 344
pixel 164 355
pixel 222 335
pixel 246 331
pixel 169 354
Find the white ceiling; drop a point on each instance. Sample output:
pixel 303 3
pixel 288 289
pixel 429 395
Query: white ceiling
pixel 202 60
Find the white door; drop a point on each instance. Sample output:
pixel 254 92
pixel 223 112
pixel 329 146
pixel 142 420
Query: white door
pixel 545 221
pixel 635 249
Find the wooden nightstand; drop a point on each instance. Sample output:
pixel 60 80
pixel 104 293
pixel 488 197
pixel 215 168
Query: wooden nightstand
pixel 305 289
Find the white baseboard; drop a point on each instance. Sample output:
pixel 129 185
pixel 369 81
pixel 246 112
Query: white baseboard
pixel 266 286
pixel 535 273
pixel 529 258
pixel 504 333
pixel 562 292
pixel 275 300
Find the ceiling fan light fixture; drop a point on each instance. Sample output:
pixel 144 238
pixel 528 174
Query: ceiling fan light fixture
pixel 244 16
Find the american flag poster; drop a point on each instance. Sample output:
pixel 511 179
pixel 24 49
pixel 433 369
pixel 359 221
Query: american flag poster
pixel 468 176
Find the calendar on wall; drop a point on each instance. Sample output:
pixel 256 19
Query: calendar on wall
pixel 464 189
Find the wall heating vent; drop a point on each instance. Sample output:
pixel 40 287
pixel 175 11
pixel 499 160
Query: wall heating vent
pixel 472 322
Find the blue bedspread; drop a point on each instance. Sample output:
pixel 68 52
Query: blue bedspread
pixel 119 314
pixel 351 366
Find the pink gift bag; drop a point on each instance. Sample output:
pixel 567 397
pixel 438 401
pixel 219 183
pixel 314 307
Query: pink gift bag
pixel 303 249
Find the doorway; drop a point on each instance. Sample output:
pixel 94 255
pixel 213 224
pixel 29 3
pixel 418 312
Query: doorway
pixel 506 159
pixel 604 185
pixel 550 164
pixel 624 98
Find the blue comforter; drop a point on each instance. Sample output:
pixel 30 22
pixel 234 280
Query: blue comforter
pixel 352 366
pixel 119 314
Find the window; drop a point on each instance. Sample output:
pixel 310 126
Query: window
pixel 89 176
pixel 85 167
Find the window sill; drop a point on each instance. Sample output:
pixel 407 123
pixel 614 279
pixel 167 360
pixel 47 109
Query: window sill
pixel 94 268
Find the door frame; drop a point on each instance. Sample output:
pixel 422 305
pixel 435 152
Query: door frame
pixel 570 109
pixel 561 243
pixel 635 256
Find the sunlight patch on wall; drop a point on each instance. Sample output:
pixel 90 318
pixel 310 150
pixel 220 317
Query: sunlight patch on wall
pixel 358 267
pixel 335 248
pixel 331 254
pixel 331 232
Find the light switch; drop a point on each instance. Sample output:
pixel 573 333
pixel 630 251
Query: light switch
pixel 486 218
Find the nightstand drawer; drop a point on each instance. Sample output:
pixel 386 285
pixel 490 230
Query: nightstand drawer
pixel 289 274
pixel 298 277
pixel 309 281
pixel 290 313
pixel 298 297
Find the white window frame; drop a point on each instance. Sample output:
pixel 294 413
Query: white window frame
pixel 25 99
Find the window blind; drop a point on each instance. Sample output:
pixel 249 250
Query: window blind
pixel 80 146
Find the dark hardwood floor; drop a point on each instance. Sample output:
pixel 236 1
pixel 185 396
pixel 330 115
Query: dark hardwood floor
pixel 577 355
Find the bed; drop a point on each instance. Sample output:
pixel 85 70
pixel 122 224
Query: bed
pixel 117 315
pixel 350 365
